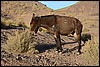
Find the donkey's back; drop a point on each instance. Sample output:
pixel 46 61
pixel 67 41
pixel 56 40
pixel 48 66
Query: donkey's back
pixel 68 25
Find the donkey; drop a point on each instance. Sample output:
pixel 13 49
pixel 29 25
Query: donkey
pixel 58 25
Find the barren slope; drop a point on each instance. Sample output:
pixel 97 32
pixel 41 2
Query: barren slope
pixel 82 8
pixel 21 11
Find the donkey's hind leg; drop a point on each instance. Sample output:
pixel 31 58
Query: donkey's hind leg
pixel 79 42
pixel 78 39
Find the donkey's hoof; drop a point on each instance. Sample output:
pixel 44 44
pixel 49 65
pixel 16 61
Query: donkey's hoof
pixel 79 52
pixel 58 52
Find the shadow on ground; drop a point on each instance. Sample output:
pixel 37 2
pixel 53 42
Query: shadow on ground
pixel 43 47
pixel 3 26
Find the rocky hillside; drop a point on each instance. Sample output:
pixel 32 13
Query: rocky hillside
pixel 82 8
pixel 21 11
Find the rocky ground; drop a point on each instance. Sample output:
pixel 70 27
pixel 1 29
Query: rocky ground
pixel 47 55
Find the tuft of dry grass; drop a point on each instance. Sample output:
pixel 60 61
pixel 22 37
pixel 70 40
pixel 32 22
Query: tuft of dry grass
pixel 21 42
pixel 11 23
pixel 85 30
pixel 7 22
pixel 91 50
pixel 85 37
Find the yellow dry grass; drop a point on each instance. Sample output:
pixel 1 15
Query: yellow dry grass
pixel 91 50
pixel 20 43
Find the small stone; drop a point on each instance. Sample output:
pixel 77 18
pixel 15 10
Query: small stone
pixel 19 58
pixel 56 51
pixel 78 53
pixel 68 54
pixel 36 52
pixel 47 51
pixel 60 53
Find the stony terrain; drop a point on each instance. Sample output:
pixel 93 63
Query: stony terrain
pixel 46 54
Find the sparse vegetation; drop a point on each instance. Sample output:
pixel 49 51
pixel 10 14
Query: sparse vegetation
pixel 7 22
pixel 20 9
pixel 85 30
pixel 21 42
pixel 11 23
pixel 91 50
pixel 3 25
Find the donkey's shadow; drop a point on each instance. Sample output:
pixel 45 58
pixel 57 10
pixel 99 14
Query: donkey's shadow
pixel 43 47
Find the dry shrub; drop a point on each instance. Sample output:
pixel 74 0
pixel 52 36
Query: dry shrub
pixel 85 30
pixel 3 25
pixel 91 50
pixel 8 22
pixel 21 42
pixel 11 23
pixel 85 37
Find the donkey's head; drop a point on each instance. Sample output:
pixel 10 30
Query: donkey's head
pixel 34 24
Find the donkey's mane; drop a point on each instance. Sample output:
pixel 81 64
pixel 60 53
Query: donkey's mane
pixel 47 15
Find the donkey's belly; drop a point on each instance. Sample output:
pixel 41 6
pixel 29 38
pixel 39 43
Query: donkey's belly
pixel 66 30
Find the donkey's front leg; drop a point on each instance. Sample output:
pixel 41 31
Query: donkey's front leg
pixel 58 42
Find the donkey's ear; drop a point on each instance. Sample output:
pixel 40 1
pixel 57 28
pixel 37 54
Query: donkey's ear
pixel 33 15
